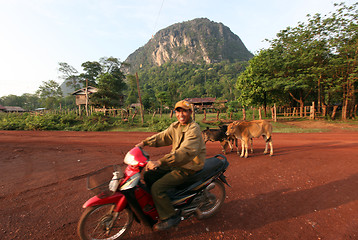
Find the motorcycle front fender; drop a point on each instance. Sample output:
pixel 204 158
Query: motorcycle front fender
pixel 118 199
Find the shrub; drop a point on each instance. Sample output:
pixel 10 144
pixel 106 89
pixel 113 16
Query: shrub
pixel 160 124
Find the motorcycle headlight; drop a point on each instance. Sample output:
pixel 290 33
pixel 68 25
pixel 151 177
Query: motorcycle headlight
pixel 136 157
pixel 129 160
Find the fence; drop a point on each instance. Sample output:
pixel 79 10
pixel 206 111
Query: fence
pixel 286 113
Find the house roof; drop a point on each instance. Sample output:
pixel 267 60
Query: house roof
pixel 13 109
pixel 82 91
pixel 201 100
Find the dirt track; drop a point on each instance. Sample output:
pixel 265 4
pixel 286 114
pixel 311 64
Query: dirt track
pixel 307 190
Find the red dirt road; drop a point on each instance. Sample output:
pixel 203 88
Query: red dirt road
pixel 307 190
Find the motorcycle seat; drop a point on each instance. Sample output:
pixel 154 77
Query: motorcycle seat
pixel 212 166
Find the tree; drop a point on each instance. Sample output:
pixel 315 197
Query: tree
pixel 343 42
pixel 109 92
pixel 92 70
pixel 50 93
pixel 310 62
pixel 70 75
pixel 149 100
pixel 132 94
pixel 27 101
pixel 164 99
pixel 258 84
pixel 110 84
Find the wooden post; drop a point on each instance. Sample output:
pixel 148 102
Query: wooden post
pixel 260 117
pixel 274 111
pixel 312 113
pixel 344 111
pixel 140 99
pixel 204 114
pixel 86 97
pixel 243 114
pixel 134 114
pixel 192 111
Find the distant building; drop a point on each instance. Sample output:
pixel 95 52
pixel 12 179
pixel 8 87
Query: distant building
pixel 81 94
pixel 12 109
pixel 207 102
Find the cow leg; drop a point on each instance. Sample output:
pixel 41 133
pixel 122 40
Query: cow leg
pixel 271 146
pixel 266 146
pixel 242 148
pixel 223 145
pixel 251 143
pixel 246 141
pixel 233 141
pixel 268 142
pixel 230 145
pixel 237 147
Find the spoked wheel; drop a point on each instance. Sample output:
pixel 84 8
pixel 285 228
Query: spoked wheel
pixel 101 223
pixel 214 196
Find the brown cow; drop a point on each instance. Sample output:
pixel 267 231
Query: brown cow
pixel 251 129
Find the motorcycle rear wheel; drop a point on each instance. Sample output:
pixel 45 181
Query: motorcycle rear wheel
pixel 101 223
pixel 215 195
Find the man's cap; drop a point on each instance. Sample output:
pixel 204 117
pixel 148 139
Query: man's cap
pixel 182 104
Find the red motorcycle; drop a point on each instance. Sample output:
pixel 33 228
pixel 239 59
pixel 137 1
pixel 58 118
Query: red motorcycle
pixel 122 197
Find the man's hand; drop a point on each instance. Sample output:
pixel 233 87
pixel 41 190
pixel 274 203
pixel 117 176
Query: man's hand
pixel 141 145
pixel 152 165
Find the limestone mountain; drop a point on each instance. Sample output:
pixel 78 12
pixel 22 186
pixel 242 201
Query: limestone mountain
pixel 196 41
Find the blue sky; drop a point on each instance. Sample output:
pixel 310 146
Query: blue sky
pixel 38 34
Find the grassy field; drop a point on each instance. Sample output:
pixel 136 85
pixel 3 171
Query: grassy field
pixel 281 126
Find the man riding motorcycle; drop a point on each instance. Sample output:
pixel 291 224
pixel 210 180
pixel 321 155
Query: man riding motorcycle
pixel 185 159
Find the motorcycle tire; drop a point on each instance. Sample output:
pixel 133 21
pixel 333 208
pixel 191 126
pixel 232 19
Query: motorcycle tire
pixel 97 223
pixel 214 195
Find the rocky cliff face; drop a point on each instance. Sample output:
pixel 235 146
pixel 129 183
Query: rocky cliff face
pixel 196 41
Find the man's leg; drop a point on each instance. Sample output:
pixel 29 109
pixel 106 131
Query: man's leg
pixel 152 176
pixel 162 201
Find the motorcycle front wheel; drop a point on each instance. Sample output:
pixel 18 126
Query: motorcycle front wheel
pixel 102 223
pixel 214 196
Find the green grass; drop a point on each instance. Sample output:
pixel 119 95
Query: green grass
pixel 96 122
pixel 280 127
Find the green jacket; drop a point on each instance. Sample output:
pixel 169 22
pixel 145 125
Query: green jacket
pixel 188 146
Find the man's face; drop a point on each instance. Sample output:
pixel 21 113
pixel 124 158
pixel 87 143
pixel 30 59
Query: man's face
pixel 183 115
